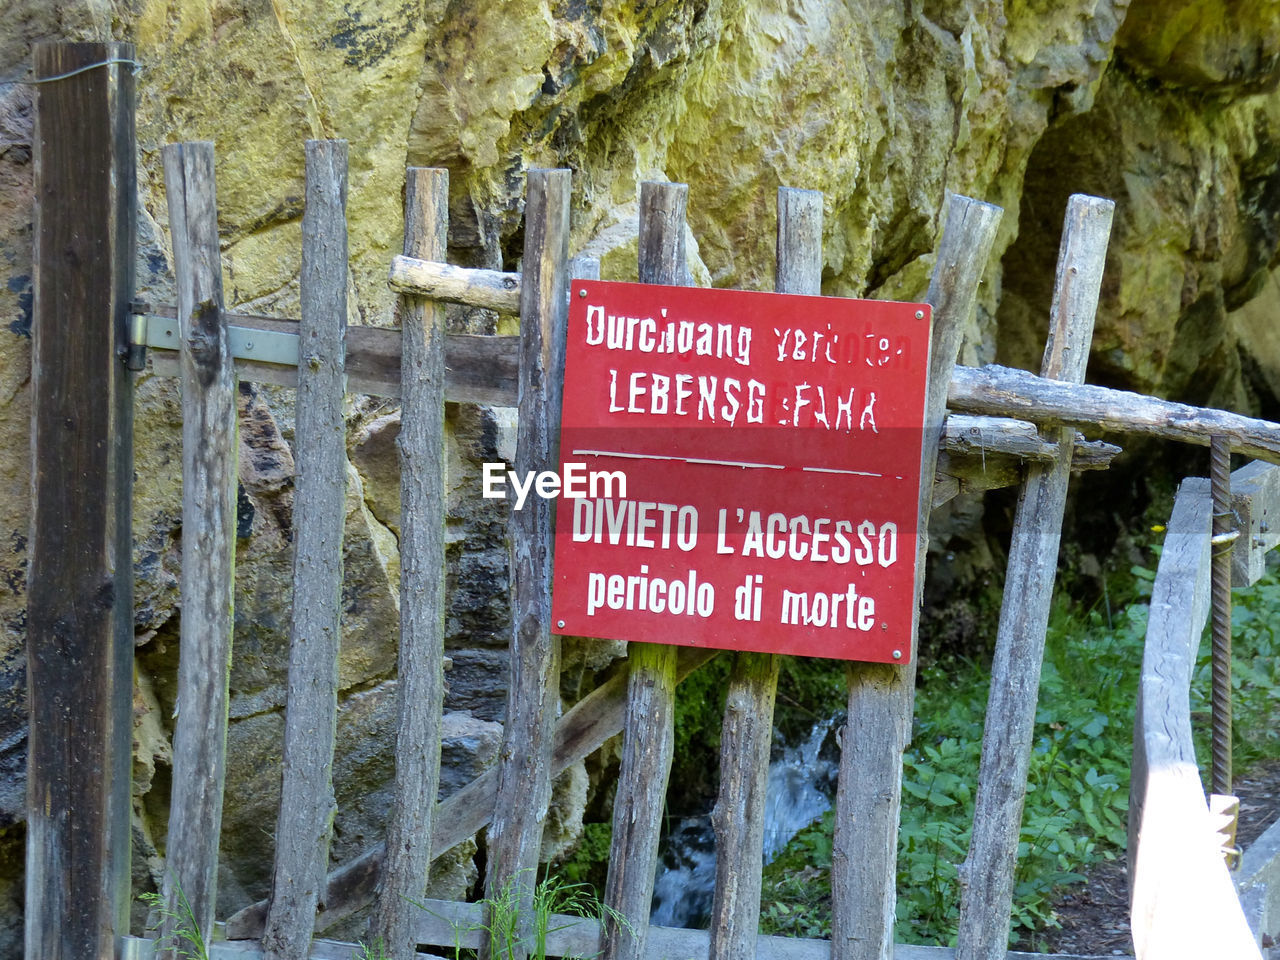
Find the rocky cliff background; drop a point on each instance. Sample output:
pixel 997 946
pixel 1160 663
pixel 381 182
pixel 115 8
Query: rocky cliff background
pixel 1167 106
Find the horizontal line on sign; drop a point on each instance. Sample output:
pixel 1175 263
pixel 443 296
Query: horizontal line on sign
pixel 651 456
pixel 855 473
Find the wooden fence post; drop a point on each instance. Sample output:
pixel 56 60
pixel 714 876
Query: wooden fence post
pixel 747 736
pixel 80 570
pixel 986 877
pixel 528 732
pixel 648 734
pixel 209 455
pixel 319 510
pixel 865 852
pixel 420 692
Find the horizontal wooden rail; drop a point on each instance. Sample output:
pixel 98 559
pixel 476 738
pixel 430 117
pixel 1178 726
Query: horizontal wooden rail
pixel 478 369
pixel 482 369
pixel 568 936
pixel 1183 903
pixel 575 936
pixel 1006 392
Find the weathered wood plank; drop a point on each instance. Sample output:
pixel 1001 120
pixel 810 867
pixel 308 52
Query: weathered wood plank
pixel 1005 392
pixel 571 937
pixel 649 726
pixel 136 948
pixel 80 573
pixel 979 437
pixel 209 479
pixel 738 817
pixel 986 877
pixel 747 733
pixel 436 280
pixel 306 801
pixel 581 731
pixel 1183 903
pixel 420 691
pixel 868 795
pixel 799 247
pixel 993 454
pixel 1255 499
pixel 533 697
pixel 580 937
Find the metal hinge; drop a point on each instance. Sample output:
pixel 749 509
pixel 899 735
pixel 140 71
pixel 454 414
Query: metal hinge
pixel 247 343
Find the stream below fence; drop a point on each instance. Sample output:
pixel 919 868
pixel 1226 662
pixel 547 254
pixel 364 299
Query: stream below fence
pixel 800 789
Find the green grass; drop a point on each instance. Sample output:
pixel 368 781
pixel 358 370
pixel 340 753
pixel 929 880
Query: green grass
pixel 503 916
pixel 186 939
pixel 1078 782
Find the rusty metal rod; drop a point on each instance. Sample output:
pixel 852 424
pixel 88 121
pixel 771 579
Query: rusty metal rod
pixel 1224 537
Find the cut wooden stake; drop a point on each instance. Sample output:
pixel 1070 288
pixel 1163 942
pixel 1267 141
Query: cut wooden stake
pixel 209 479
pixel 533 697
pixel 649 725
pixel 422 277
pixel 307 803
pixel 420 690
pixel 986 877
pixel 864 857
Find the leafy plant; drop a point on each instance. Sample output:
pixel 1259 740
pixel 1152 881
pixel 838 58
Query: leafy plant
pixel 185 939
pixel 372 951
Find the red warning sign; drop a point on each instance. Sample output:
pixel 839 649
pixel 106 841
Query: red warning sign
pixel 747 470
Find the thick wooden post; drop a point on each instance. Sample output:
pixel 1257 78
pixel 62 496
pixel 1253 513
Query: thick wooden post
pixel 420 694
pixel 528 733
pixel 869 793
pixel 209 449
pixel 80 573
pixel 986 876
pixel 649 723
pixel 307 804
pixel 747 734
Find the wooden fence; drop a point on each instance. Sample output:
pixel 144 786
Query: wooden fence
pixel 425 367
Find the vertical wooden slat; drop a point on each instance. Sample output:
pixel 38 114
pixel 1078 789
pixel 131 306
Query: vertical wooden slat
pixel 528 734
pixel 209 449
pixel 306 802
pixel 80 576
pixel 986 877
pixel 649 725
pixel 422 576
pixel 738 817
pixel 747 734
pixel 868 797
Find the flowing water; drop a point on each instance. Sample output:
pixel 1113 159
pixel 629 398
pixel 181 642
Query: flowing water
pixel 799 790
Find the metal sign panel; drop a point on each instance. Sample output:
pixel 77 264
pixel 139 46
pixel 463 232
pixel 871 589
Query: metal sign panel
pixel 770 447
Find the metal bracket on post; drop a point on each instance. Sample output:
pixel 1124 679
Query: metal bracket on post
pixel 247 343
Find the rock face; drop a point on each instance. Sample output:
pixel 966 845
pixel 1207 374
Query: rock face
pixel 1167 106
